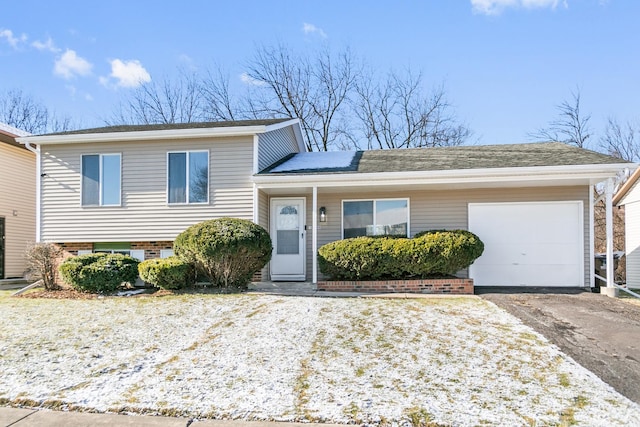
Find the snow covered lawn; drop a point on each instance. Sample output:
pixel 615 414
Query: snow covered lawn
pixel 458 362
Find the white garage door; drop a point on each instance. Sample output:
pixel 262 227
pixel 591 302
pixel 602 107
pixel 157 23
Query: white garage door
pixel 528 244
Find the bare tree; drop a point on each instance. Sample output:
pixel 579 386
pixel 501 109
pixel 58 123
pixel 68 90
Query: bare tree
pixel 217 101
pixel 21 111
pixel 397 113
pixel 571 126
pixel 314 91
pixel 621 141
pixel 177 101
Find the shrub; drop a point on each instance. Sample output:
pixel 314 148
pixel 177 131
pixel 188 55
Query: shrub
pixel 228 251
pixel 43 259
pixel 166 273
pixel 99 272
pixel 431 253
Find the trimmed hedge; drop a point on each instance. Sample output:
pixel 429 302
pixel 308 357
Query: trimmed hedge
pixel 228 251
pixel 167 273
pixel 428 254
pixel 99 272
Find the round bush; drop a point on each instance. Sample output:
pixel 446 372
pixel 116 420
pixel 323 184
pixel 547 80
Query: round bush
pixel 431 253
pixel 228 251
pixel 99 272
pixel 166 273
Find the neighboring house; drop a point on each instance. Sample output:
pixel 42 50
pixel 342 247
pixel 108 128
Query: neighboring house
pixel 629 196
pixel 17 202
pixel 134 188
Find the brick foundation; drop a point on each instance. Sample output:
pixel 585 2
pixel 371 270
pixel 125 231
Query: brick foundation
pixel 424 286
pixel 151 249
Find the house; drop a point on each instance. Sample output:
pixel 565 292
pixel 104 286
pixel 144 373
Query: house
pixel 17 202
pixel 628 195
pixel 134 188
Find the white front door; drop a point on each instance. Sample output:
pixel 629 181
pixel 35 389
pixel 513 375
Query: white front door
pixel 288 236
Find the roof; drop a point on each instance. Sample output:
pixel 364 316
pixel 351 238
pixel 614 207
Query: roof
pixel 9 133
pixel 626 187
pixel 448 158
pixel 172 126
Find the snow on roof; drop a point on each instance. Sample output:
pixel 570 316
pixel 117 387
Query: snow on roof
pixel 5 128
pixel 317 160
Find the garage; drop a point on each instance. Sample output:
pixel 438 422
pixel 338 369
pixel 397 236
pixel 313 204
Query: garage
pixel 529 243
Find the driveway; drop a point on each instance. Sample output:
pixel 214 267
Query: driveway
pixel 600 333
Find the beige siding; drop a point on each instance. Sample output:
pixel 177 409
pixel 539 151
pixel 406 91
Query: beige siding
pixel 145 214
pixel 275 145
pixel 17 205
pixel 632 243
pixel 445 209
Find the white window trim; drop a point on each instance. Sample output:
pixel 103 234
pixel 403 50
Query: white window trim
pixel 374 211
pixel 186 202
pixel 134 253
pixel 101 178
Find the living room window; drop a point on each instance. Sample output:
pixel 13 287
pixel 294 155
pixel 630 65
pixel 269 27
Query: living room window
pixel 375 217
pixel 101 179
pixel 188 177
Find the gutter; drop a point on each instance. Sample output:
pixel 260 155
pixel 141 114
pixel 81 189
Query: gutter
pixel 36 150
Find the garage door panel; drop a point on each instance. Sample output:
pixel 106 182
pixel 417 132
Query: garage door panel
pixel 528 244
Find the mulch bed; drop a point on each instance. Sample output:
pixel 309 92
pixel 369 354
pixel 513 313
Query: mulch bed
pixel 68 293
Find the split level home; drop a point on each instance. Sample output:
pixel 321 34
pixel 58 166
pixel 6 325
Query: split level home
pixel 17 202
pixel 133 189
pixel 629 196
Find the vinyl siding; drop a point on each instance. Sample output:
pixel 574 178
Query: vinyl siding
pixel 263 220
pixel 632 242
pixel 275 145
pixel 144 214
pixel 443 209
pixel 17 193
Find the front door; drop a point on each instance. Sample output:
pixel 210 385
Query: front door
pixel 2 244
pixel 288 236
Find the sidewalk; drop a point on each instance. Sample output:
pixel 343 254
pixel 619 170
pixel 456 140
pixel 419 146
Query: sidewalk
pixel 17 417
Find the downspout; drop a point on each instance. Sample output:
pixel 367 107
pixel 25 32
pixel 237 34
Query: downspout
pixel 36 150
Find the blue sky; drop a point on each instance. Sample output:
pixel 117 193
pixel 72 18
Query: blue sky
pixel 505 64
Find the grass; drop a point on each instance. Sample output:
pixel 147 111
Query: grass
pixel 332 360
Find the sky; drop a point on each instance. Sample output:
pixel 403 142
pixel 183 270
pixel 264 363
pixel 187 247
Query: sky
pixel 505 64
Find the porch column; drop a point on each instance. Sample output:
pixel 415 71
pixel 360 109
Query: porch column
pixel 314 235
pixel 592 235
pixel 608 191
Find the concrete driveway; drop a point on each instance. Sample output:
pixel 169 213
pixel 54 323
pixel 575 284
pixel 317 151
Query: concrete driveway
pixel 600 333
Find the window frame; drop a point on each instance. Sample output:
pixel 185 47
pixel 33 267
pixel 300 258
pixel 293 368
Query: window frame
pixel 101 180
pixel 375 201
pixel 188 183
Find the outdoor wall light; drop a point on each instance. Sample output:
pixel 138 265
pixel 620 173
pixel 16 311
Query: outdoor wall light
pixel 323 214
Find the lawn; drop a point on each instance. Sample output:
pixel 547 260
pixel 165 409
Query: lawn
pixel 458 361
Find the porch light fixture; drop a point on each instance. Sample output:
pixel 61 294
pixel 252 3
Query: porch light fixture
pixel 323 214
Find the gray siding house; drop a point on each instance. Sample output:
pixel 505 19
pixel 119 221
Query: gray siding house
pixel 134 188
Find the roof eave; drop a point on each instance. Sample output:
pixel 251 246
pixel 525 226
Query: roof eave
pixel 150 135
pixel 592 173
pixel 618 198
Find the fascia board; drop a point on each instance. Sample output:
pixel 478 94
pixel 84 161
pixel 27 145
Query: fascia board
pixel 451 176
pixel 143 135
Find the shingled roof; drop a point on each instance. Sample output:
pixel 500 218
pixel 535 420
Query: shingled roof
pixel 170 126
pixel 453 158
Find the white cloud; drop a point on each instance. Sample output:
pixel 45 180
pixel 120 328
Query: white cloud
pixel 312 29
pixel 70 65
pixel 128 73
pixel 248 80
pixel 46 45
pixel 495 7
pixel 11 39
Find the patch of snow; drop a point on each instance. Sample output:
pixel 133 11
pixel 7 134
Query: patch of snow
pixel 461 362
pixel 317 160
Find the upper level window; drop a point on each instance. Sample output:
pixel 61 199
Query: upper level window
pixel 101 180
pixel 375 217
pixel 188 177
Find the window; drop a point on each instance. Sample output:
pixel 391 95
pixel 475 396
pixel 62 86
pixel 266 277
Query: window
pixel 375 217
pixel 117 248
pixel 101 180
pixel 188 177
